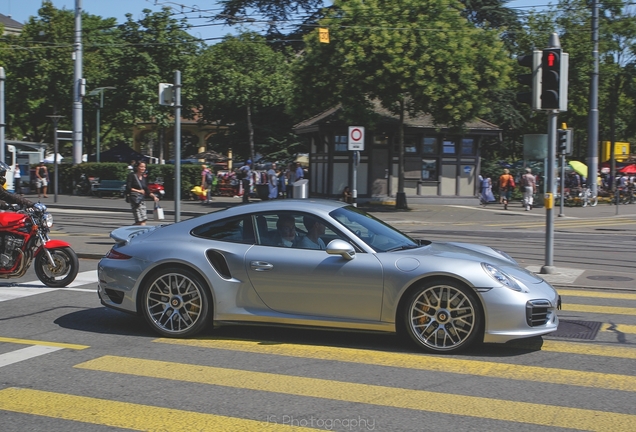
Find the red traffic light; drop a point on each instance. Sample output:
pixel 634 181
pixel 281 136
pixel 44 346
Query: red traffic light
pixel 552 59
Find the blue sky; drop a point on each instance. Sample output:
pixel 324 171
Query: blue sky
pixel 196 11
pixel 21 10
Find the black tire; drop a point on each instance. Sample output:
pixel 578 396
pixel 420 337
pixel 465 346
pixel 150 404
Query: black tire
pixel 176 303
pixel 65 270
pixel 439 325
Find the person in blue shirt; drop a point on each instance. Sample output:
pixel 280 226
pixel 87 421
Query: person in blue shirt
pixel 300 173
pixel 315 229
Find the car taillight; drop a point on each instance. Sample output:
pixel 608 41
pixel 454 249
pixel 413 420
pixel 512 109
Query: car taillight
pixel 113 254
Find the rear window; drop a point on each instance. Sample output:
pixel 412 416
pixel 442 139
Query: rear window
pixel 233 230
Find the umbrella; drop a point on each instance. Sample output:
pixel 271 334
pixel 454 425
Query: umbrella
pixel 208 155
pixel 51 159
pixel 628 169
pixel 579 167
pixel 303 159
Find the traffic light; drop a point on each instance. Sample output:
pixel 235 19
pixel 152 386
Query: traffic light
pixel 532 80
pixel 554 79
pixel 564 141
pixel 166 94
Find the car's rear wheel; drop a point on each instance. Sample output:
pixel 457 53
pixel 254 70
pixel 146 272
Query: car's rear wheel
pixel 443 316
pixel 176 303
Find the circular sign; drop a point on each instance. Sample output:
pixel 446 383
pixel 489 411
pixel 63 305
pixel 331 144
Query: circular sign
pixel 356 135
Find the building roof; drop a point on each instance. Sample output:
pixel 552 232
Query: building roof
pixel 424 121
pixel 11 26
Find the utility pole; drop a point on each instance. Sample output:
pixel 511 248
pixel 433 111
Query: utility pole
pixel 592 124
pixel 177 146
pixel 2 125
pixel 78 86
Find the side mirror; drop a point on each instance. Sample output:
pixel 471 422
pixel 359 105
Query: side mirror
pixel 342 248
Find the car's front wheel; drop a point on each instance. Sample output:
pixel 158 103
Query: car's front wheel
pixel 442 316
pixel 176 303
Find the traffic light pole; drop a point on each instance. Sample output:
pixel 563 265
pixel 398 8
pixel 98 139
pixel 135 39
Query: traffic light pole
pixel 561 183
pixel 548 267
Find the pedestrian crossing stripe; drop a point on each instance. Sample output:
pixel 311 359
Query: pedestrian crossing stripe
pixel 36 349
pixel 597 294
pixel 392 397
pixel 420 362
pixel 605 310
pixel 43 343
pixel 25 289
pixel 125 415
pixel 618 328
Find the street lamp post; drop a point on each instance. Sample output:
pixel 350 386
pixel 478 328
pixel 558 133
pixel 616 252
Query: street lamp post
pixel 99 91
pixel 55 118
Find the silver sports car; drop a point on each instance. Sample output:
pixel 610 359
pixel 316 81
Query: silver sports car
pixel 321 263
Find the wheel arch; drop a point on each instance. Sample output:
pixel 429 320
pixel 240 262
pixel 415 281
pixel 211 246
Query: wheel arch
pixel 406 294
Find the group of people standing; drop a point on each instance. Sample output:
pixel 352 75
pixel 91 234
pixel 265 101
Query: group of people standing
pixel 506 184
pixel 279 181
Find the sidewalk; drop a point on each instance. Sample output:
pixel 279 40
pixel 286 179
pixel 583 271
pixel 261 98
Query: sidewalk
pixel 420 210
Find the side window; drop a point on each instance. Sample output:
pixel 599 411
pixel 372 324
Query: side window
pixel 281 229
pixel 314 232
pixel 293 230
pixel 233 230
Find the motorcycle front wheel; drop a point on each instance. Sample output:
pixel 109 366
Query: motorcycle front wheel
pixel 64 271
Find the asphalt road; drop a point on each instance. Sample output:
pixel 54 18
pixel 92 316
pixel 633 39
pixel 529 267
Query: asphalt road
pixel 69 364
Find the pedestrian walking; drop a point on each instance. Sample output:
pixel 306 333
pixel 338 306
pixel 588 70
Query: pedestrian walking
pixel 206 183
pixel 42 179
pixel 506 185
pixel 272 182
pixel 136 192
pixel 529 184
pixel 245 173
pixel 17 177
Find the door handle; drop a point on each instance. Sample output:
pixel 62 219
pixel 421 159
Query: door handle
pixel 261 266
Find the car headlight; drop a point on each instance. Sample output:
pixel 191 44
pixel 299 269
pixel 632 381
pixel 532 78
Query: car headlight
pixel 501 277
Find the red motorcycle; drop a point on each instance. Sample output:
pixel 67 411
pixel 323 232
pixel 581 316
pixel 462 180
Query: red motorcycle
pixel 24 237
pixel 157 188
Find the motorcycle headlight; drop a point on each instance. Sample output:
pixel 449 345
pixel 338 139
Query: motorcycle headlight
pixel 48 219
pixel 501 277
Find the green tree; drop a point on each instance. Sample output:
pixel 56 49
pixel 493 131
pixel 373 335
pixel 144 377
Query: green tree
pixel 412 56
pixel 152 48
pixel 40 71
pixel 237 78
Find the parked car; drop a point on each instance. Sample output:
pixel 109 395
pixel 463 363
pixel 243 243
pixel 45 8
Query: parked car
pixel 328 264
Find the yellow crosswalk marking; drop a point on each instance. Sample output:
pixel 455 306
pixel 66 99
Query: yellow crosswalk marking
pixel 45 343
pixel 523 412
pixel 125 415
pixel 424 362
pixel 605 310
pixel 589 349
pixel 597 294
pixel 619 328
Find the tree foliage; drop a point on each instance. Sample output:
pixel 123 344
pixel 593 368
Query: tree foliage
pixel 237 82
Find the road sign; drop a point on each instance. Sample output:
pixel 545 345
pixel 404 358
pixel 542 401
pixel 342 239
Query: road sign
pixel 356 138
pixel 65 135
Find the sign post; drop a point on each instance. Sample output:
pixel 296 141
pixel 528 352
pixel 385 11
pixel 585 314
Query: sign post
pixel 355 144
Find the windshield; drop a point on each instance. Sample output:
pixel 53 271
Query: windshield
pixel 375 233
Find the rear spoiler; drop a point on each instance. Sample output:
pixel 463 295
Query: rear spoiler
pixel 124 234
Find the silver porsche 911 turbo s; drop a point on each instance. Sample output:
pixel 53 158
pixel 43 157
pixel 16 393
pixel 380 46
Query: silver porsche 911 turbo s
pixel 321 263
